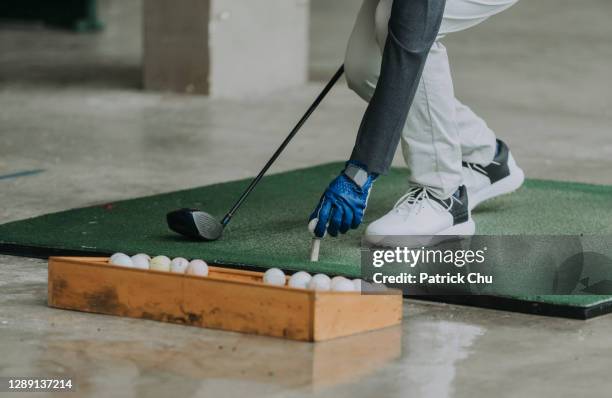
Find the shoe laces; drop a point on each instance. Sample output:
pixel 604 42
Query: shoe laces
pixel 413 201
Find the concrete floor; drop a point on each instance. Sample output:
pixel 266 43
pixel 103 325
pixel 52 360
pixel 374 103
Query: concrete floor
pixel 70 105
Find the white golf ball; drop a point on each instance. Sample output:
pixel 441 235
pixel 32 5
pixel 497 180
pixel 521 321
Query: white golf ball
pixel 335 280
pixel 144 255
pixel 274 276
pixel 343 285
pixel 160 263
pixel 300 280
pixel 179 265
pixel 197 268
pixel 120 259
pixel 141 261
pixel 116 255
pixel 320 282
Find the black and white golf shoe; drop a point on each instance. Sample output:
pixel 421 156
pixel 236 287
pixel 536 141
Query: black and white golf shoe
pixel 419 218
pixel 500 177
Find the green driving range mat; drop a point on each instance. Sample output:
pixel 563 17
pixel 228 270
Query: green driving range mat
pixel 270 230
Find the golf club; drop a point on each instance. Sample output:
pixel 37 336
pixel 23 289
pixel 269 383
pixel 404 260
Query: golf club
pixel 197 224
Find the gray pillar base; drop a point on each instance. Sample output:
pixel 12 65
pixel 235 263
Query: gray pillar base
pixel 225 48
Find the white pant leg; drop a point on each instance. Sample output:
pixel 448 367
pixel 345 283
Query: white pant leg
pixel 478 142
pixel 431 138
pixel 363 57
pixel 440 131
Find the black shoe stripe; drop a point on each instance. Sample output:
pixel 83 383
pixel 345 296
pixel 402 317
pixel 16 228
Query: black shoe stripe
pixel 459 208
pixel 498 170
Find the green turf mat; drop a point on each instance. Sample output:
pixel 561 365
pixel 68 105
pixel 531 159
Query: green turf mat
pixel 270 230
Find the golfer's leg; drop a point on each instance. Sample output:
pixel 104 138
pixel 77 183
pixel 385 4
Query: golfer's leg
pixel 414 25
pixel 430 137
pixel 430 140
pixel 478 141
pixel 438 117
pixel 363 56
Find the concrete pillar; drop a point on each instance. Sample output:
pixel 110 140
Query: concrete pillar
pixel 225 48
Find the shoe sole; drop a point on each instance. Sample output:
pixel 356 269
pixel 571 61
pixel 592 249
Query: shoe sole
pixel 459 231
pixel 467 228
pixel 502 187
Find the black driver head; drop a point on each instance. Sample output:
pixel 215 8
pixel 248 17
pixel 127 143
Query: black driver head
pixel 195 224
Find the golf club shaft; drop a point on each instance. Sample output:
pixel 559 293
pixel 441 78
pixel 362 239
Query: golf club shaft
pixel 282 147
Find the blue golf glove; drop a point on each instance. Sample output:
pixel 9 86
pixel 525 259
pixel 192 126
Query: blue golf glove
pixel 343 203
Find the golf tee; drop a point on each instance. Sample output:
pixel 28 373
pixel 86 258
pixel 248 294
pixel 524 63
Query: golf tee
pixel 314 249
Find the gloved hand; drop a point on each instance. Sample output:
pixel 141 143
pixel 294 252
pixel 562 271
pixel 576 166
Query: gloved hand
pixel 343 203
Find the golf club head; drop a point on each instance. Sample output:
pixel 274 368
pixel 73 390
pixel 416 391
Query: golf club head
pixel 195 224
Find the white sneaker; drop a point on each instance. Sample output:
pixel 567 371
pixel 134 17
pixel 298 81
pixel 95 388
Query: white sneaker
pixel 500 177
pixel 419 216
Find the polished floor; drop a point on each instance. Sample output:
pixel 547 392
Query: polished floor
pixel 70 106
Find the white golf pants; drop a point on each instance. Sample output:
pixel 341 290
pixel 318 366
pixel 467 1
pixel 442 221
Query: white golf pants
pixel 440 131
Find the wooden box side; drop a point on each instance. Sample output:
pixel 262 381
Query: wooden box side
pixel 215 302
pixel 342 314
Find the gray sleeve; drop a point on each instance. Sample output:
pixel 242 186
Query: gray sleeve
pixel 413 28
